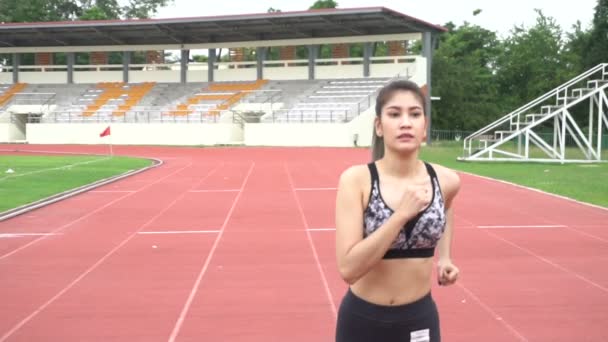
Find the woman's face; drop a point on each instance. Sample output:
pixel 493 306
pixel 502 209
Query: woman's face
pixel 402 122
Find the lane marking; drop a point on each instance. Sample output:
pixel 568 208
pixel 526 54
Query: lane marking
pixel 196 285
pixel 312 245
pixel 170 232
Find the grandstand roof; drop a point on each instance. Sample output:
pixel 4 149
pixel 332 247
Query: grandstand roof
pixel 312 24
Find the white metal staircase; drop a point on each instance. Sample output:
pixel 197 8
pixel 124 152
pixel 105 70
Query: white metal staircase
pixel 548 129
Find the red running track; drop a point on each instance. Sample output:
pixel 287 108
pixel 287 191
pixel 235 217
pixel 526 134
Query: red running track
pixel 237 244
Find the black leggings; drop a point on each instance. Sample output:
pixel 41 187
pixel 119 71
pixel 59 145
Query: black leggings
pixel 362 321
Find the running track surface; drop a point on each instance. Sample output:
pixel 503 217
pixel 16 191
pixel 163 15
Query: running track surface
pixel 237 244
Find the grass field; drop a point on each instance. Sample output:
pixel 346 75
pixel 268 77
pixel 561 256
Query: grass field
pixel 35 177
pixel 583 182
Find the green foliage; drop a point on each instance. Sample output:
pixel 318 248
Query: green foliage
pixel 480 78
pixel 64 10
pixel 533 61
pixel 596 49
pixel 463 78
pixel 324 4
pixel 94 13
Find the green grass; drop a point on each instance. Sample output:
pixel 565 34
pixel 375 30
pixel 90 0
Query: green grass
pixel 38 177
pixel 583 182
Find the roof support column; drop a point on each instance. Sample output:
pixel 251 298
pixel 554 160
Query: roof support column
pixel 184 66
pixel 312 57
pixel 210 65
pixel 367 53
pixel 260 53
pixel 16 60
pixel 126 60
pixel 70 60
pixel 427 52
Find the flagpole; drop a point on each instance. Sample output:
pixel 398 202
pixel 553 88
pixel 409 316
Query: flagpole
pixel 111 152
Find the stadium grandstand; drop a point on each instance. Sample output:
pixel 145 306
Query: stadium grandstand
pixel 290 101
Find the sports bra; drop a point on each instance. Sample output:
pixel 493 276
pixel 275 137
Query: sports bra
pixel 419 236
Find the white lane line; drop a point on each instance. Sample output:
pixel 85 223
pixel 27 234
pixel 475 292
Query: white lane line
pixel 315 189
pixel 170 232
pixel 196 285
pixel 524 226
pixel 18 235
pixel 312 245
pixel 216 190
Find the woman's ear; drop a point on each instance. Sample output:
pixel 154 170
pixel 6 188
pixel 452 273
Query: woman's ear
pixel 426 124
pixel 378 126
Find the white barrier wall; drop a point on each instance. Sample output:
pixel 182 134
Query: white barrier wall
pixel 54 77
pixel 4 133
pixel 95 76
pixel 291 73
pixel 10 132
pixel 6 77
pixel 344 71
pixel 16 133
pixel 297 134
pixel 135 134
pixel 312 134
pixel 244 74
pixel 168 76
pixel 256 134
pixel 196 76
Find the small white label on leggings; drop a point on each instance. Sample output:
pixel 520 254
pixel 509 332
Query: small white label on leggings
pixel 420 336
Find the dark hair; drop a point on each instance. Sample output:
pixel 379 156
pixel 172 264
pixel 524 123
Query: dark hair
pixel 384 95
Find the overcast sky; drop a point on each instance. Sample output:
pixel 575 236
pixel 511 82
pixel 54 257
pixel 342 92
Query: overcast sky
pixel 499 16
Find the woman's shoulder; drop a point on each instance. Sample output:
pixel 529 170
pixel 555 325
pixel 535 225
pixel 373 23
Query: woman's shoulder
pixel 448 178
pixel 355 175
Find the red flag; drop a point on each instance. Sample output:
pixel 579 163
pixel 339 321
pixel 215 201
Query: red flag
pixel 105 132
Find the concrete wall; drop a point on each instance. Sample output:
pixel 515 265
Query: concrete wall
pixel 311 134
pixel 256 134
pixel 55 77
pixel 10 132
pixel 95 76
pixel 168 76
pixel 294 73
pixel 16 132
pixel 135 134
pixel 4 133
pixel 244 74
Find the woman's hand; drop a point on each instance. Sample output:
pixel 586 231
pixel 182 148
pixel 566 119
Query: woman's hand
pixel 447 272
pixel 415 199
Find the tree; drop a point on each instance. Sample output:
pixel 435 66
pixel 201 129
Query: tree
pixel 319 4
pixel 596 50
pixel 575 47
pixel 65 10
pixel 463 78
pixel 533 62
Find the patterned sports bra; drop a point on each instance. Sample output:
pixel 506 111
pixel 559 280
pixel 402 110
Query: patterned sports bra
pixel 420 235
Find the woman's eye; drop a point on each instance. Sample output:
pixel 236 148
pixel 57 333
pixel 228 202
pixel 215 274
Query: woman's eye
pixel 393 114
pixel 415 114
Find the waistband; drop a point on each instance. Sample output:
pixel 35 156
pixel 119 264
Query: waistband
pixel 389 313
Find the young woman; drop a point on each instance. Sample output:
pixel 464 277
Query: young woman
pixel 391 216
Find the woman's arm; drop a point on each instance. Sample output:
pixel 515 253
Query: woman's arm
pixel 355 255
pixel 447 272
